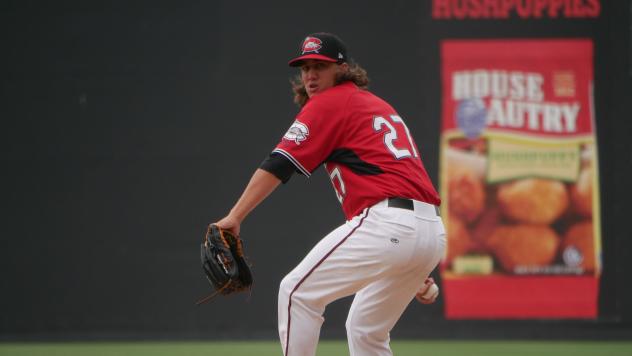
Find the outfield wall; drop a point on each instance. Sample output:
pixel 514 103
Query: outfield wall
pixel 129 126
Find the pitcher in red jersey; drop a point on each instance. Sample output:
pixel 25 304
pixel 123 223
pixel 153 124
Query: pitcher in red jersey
pixel 393 236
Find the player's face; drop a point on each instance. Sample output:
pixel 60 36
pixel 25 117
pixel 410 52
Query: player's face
pixel 319 75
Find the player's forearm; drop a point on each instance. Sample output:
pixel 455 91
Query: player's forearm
pixel 260 186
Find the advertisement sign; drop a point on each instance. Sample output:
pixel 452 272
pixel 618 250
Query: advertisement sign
pixel 519 179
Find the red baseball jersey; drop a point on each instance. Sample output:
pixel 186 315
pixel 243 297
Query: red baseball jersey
pixel 364 144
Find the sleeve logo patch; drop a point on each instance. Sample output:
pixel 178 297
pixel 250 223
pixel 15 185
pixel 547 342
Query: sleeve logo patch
pixel 297 132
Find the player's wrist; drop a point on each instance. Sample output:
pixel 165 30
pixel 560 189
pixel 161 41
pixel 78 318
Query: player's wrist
pixel 236 217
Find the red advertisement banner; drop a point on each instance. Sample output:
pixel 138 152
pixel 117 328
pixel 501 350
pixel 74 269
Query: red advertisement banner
pixel 518 167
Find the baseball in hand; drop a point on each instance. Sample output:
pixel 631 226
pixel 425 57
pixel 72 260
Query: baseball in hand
pixel 430 296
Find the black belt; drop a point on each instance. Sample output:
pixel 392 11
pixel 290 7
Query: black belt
pixel 401 203
pixel 404 203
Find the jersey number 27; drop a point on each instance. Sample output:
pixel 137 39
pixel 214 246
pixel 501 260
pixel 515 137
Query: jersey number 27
pixel 390 136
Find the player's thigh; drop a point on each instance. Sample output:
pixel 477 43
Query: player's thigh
pixel 382 302
pixel 340 264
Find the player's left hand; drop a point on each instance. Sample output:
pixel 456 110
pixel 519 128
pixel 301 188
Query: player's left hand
pixel 421 294
pixel 230 223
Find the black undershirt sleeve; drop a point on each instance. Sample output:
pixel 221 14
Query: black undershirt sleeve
pixel 278 165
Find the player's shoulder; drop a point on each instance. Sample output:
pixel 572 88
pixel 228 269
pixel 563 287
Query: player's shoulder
pixel 344 88
pixel 370 101
pixel 332 99
pixel 338 93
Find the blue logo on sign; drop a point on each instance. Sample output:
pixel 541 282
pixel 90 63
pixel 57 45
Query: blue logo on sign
pixel 471 117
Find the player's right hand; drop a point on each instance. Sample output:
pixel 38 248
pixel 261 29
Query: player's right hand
pixel 428 283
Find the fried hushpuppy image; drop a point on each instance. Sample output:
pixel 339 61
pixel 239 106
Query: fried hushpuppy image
pixel 483 228
pixel 459 240
pixel 581 193
pixel 466 194
pixel 578 246
pixel 524 245
pixel 533 201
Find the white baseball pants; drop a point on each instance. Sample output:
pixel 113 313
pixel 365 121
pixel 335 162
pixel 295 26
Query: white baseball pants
pixel 383 255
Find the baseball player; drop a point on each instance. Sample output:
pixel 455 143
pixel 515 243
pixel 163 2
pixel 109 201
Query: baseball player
pixel 393 236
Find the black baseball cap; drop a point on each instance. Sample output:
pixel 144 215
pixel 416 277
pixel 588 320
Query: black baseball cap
pixel 322 46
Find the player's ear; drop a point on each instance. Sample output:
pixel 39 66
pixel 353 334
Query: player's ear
pixel 344 67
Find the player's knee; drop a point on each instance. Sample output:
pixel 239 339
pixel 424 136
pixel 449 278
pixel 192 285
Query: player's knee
pixel 286 287
pixel 348 325
pixel 364 334
pixel 352 327
pixel 354 334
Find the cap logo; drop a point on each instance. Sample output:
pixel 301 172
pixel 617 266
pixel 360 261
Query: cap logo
pixel 312 44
